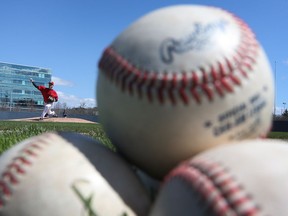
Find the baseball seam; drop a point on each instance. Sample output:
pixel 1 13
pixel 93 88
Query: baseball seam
pixel 10 177
pixel 219 79
pixel 216 187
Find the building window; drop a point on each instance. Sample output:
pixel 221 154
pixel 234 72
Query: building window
pixel 37 93
pixel 17 81
pixel 48 76
pixel 17 91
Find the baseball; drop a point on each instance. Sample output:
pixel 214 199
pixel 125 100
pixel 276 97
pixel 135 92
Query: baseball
pixel 245 178
pixel 68 174
pixel 180 80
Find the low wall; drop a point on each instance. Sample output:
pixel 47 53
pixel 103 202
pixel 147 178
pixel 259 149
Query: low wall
pixel 6 115
pixel 280 126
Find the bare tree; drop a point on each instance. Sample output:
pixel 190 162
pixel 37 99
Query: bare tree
pixel 82 105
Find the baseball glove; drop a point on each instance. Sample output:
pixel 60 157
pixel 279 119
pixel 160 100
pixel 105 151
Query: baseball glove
pixel 51 99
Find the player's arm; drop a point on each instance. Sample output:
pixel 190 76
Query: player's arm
pixel 32 81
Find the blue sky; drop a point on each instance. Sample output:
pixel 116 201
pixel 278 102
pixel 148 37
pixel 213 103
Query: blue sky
pixel 69 36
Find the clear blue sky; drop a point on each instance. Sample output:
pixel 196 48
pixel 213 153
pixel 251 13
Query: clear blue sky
pixel 69 36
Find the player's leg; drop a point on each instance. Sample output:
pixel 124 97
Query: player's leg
pixel 51 113
pixel 45 111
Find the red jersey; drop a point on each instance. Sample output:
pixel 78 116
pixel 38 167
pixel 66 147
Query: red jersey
pixel 46 92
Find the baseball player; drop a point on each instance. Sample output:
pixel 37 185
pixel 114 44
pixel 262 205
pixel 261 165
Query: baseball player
pixel 49 96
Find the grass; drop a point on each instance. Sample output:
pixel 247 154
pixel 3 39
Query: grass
pixel 14 132
pixel 278 135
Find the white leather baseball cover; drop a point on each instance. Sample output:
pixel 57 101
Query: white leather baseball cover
pixel 48 175
pixel 244 178
pixel 180 80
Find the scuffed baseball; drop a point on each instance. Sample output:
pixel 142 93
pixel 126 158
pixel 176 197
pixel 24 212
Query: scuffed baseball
pixel 180 80
pixel 68 174
pixel 244 178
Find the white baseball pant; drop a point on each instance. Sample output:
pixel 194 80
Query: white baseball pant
pixel 47 109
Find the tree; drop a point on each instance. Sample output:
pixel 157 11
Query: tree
pixel 285 113
pixel 82 105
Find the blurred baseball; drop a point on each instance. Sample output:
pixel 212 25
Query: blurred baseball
pixel 244 178
pixel 68 174
pixel 180 80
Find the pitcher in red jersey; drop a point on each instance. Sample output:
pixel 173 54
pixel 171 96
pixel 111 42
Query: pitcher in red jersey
pixel 49 96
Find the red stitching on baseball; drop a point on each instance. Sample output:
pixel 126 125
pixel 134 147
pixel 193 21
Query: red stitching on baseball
pixel 220 79
pixel 213 182
pixel 18 166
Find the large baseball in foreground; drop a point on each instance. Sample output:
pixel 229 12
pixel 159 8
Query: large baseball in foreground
pixel 68 174
pixel 248 178
pixel 180 80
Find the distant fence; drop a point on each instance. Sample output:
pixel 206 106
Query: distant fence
pixel 6 115
pixel 280 126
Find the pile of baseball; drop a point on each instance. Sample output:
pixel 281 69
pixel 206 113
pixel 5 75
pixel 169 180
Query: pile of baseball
pixel 186 95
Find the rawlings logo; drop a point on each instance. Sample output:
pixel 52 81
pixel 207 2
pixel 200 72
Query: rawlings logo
pixel 198 39
pixel 87 201
pixel 78 187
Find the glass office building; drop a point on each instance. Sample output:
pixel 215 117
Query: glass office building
pixel 16 90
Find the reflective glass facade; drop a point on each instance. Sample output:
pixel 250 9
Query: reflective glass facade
pixel 16 90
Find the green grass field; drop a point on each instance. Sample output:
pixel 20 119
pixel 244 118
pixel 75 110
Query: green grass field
pixel 12 132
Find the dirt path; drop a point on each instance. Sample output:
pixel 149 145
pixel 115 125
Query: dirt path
pixel 75 120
